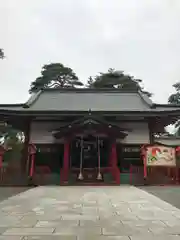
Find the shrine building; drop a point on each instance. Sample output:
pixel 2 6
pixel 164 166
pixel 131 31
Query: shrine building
pixel 87 135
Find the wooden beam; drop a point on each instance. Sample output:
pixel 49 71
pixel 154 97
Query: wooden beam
pixel 151 130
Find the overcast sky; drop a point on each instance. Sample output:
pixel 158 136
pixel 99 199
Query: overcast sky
pixel 141 37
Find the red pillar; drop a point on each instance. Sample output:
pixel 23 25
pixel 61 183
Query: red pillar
pixel 1 160
pixel 144 156
pixel 66 159
pixel 2 151
pixel 113 155
pixel 32 158
pixel 110 157
pixel 115 170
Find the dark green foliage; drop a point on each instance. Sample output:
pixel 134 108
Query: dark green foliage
pixel 1 53
pixel 55 75
pixel 175 97
pixel 12 140
pixel 116 79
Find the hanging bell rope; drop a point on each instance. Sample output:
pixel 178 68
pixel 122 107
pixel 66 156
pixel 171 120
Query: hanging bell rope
pixel 99 176
pixel 80 177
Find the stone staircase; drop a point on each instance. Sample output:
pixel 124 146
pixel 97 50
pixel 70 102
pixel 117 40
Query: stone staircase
pixel 89 178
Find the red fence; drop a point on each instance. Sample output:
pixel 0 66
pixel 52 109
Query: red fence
pixel 41 175
pixel 116 174
pixel 158 175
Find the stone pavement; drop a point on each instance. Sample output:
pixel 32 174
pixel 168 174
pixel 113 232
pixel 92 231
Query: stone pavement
pixel 88 213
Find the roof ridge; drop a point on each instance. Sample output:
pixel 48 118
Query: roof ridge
pixel 166 105
pixel 89 90
pixel 33 98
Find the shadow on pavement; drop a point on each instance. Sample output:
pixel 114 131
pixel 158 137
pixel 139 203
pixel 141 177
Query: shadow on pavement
pixel 6 192
pixel 170 194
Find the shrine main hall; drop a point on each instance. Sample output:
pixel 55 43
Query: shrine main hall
pixel 85 135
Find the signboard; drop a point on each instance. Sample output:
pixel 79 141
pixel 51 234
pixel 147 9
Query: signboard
pixel 131 149
pixel 161 156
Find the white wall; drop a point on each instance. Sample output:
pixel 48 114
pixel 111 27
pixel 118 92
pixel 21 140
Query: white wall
pixel 139 133
pixel 41 132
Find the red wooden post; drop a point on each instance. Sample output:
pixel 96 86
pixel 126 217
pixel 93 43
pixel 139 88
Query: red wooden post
pixel 113 156
pixel 145 166
pixel 110 158
pixel 1 160
pixel 2 151
pixel 66 159
pixel 32 165
pixel 177 167
pixel 177 174
pixel 32 152
pixel 1 169
pixel 66 155
pixel 115 169
pixel 144 156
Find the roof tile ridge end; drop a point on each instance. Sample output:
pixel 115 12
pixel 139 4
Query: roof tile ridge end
pixel 146 99
pixel 33 98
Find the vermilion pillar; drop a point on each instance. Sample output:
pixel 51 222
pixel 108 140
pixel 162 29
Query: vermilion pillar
pixel 144 156
pixel 114 168
pixel 32 151
pixel 32 157
pixel 1 160
pixel 113 160
pixel 66 158
pixel 66 155
pixel 2 151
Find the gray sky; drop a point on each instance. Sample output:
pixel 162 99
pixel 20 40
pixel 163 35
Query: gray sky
pixel 141 37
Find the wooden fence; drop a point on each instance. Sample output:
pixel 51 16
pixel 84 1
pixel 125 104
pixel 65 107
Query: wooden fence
pixel 156 175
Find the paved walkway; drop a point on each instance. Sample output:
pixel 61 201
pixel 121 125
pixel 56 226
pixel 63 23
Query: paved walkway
pixel 88 213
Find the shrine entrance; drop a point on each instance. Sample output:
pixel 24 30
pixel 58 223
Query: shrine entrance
pixel 90 151
pixel 89 155
pixel 87 148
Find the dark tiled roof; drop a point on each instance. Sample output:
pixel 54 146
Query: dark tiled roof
pixel 112 100
pixel 88 99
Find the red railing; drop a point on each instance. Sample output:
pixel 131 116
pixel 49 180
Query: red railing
pixel 116 174
pixel 156 175
pixel 136 175
pixel 41 174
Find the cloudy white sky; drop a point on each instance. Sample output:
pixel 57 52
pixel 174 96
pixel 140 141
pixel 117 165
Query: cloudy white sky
pixel 141 37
